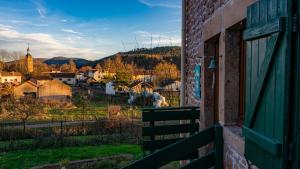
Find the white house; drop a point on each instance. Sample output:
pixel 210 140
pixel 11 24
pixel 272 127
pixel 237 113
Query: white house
pixel 80 76
pixel 140 86
pixel 96 74
pixel 170 85
pixel 10 77
pixel 146 76
pixel 67 78
pixel 110 88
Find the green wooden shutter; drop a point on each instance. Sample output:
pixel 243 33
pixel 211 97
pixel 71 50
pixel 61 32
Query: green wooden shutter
pixel 296 101
pixel 267 81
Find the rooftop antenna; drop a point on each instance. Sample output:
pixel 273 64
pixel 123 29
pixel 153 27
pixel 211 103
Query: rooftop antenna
pixel 124 46
pixel 171 41
pixel 158 41
pixel 137 43
pixel 151 42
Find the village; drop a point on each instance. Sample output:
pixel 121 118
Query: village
pixel 53 106
pixel 60 86
pixel 150 84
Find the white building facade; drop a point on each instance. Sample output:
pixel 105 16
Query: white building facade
pixel 10 77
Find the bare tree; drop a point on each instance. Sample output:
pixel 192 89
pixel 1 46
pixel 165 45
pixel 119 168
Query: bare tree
pixel 72 65
pixel 83 103
pixel 23 109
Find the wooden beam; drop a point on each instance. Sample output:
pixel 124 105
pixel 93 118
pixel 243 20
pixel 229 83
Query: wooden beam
pixel 151 145
pixel 170 129
pixel 175 151
pixel 205 162
pixel 270 145
pixel 172 108
pixel 219 146
pixel 166 115
pixel 260 31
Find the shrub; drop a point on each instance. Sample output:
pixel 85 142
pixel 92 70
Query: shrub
pixel 144 100
pixel 64 163
pixel 7 134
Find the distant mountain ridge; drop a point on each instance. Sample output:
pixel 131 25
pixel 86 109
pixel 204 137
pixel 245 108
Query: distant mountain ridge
pixel 64 60
pixel 143 57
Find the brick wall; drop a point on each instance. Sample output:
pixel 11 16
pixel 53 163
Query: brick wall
pixel 198 11
pixel 204 20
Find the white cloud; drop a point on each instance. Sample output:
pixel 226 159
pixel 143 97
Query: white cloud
pixel 40 8
pixel 156 3
pixel 72 31
pixel 158 39
pixel 42 12
pixel 5 27
pixel 41 25
pixel 19 21
pixel 64 20
pixel 43 45
pixel 24 22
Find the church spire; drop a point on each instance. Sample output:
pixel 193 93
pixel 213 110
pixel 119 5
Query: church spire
pixel 29 61
pixel 28 50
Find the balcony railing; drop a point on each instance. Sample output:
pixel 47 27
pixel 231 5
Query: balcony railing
pixel 169 150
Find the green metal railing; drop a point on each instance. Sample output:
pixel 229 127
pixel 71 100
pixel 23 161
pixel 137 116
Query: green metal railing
pixel 183 148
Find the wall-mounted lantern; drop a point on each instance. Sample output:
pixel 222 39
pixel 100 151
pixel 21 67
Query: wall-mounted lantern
pixel 212 64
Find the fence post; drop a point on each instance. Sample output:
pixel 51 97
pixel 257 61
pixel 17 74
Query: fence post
pixel 152 124
pixel 193 121
pixel 120 131
pixel 218 146
pixel 61 133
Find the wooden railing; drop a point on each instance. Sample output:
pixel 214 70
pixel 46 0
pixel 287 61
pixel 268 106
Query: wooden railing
pixel 183 148
pixel 164 151
pixel 162 122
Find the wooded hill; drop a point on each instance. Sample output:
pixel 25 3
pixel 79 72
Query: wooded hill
pixel 142 58
pixel 148 58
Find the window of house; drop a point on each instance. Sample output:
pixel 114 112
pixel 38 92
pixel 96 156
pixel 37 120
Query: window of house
pixel 30 94
pixel 235 73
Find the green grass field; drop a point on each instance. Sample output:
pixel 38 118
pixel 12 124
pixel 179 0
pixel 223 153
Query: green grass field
pixel 71 141
pixel 27 159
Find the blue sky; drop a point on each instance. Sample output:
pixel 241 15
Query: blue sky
pixel 89 29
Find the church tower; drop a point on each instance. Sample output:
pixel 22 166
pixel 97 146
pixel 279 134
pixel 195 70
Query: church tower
pixel 29 61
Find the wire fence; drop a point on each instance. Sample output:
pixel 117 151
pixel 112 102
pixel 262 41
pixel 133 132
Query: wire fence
pixel 64 133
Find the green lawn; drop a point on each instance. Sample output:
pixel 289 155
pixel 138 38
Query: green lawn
pixel 27 159
pixel 71 141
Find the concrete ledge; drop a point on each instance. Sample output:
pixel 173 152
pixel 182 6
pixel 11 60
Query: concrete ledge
pixel 233 137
